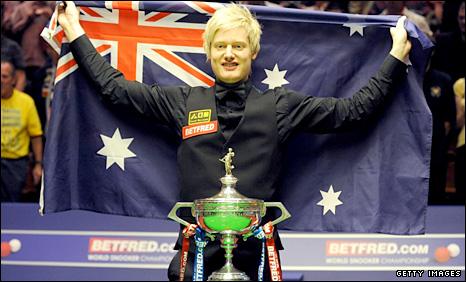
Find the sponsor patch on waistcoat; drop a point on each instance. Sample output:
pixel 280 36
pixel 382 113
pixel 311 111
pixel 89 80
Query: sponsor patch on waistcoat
pixel 199 129
pixel 199 116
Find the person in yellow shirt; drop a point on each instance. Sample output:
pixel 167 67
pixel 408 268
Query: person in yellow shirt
pixel 20 128
pixel 458 88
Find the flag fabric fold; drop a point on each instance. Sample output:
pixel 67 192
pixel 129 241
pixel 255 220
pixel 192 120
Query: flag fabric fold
pixel 373 179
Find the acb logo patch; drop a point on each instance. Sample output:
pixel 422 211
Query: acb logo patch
pixel 199 116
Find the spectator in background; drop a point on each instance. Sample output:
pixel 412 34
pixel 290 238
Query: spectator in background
pixel 11 51
pixel 449 17
pixel 438 91
pixel 434 16
pixel 20 127
pixel 458 88
pixel 449 55
pixel 399 8
pixel 23 22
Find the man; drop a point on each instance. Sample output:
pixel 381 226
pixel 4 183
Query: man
pixel 20 126
pixel 11 51
pixel 458 88
pixel 241 117
pixel 449 50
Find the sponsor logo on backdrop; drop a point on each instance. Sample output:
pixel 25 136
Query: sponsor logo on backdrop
pixel 129 250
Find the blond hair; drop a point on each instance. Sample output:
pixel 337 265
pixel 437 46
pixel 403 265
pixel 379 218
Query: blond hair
pixel 229 17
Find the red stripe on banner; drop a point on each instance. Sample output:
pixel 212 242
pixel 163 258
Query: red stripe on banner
pixel 103 48
pixel 205 7
pixel 123 5
pixel 66 66
pixel 63 68
pixel 58 38
pixel 185 67
pixel 157 17
pixel 90 12
pixel 128 33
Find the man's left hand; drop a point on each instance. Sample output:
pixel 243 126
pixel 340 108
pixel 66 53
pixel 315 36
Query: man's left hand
pixel 401 44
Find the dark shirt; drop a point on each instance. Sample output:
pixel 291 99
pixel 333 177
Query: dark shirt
pixel 167 105
pixel 230 101
pixel 438 90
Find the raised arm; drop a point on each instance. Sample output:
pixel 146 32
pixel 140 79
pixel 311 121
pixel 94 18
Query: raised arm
pixel 154 101
pixel 324 115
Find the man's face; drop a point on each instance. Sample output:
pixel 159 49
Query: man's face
pixel 8 80
pixel 231 55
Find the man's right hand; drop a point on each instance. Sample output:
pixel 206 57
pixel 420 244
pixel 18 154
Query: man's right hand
pixel 68 18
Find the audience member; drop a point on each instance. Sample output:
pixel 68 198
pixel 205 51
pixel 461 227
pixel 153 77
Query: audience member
pixel 434 15
pixel 438 91
pixel 449 55
pixel 11 51
pixel 458 88
pixel 24 21
pixel 450 14
pixel 20 128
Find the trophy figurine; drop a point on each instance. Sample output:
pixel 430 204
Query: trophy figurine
pixel 228 214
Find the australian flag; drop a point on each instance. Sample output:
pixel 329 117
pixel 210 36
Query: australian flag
pixel 373 179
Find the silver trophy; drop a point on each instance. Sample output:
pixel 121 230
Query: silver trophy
pixel 229 214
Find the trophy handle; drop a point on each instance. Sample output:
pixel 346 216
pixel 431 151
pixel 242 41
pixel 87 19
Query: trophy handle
pixel 178 205
pixel 285 214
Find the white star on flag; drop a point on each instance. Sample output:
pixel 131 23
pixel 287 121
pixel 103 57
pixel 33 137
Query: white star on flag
pixel 329 200
pixel 354 27
pixel 116 149
pixel 275 77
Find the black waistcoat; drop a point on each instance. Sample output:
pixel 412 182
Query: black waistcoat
pixel 257 158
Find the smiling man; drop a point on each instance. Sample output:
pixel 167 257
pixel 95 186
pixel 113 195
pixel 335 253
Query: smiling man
pixel 231 42
pixel 231 54
pixel 233 113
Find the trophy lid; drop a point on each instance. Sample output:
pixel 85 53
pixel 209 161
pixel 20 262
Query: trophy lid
pixel 228 193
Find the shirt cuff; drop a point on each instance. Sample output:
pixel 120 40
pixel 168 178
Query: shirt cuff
pixel 393 67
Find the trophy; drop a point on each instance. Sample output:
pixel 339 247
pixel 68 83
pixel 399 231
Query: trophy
pixel 228 214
